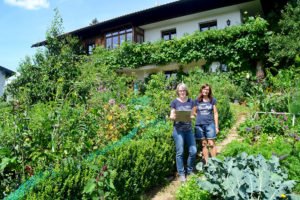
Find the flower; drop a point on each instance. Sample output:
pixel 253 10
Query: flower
pixel 257 128
pixel 109 117
pixel 122 106
pixel 248 129
pixel 292 135
pixel 247 76
pixel 104 168
pixel 283 196
pixel 101 88
pixel 112 102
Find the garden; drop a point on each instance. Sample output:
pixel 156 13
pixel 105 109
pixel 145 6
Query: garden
pixel 75 128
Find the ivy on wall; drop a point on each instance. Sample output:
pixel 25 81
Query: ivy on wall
pixel 237 46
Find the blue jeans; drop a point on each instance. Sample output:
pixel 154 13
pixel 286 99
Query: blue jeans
pixel 205 131
pixel 180 138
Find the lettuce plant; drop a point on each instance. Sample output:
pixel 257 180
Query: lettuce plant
pixel 246 177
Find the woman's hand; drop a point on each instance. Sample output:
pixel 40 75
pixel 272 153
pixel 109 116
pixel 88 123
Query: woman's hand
pixel 173 116
pixel 217 130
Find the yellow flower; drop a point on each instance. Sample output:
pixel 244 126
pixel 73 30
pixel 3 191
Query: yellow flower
pixel 111 127
pixel 109 117
pixel 283 196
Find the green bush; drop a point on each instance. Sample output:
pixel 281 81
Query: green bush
pixel 158 89
pixel 264 146
pixel 141 165
pixel 192 191
pixel 284 45
pixel 65 181
pixel 131 169
pixel 269 124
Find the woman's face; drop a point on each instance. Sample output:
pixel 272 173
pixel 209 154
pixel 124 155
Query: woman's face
pixel 205 91
pixel 182 92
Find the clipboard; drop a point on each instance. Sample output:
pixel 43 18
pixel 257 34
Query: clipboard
pixel 183 116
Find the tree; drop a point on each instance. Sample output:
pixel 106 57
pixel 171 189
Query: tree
pixel 52 72
pixel 94 21
pixel 285 45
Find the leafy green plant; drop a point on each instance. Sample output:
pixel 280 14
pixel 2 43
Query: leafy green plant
pixel 237 46
pixel 284 45
pixel 158 89
pixel 141 165
pixel 191 190
pixel 102 186
pixel 245 177
pixel 269 124
pixel 285 147
pixel 52 73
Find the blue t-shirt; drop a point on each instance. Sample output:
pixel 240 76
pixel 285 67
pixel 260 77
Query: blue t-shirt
pixel 205 111
pixel 186 106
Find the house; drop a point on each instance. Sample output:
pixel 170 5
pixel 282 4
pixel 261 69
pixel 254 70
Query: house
pixel 4 74
pixel 164 22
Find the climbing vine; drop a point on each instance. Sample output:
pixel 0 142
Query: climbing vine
pixel 236 46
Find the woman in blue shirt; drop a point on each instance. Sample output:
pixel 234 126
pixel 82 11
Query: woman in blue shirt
pixel 182 131
pixel 207 126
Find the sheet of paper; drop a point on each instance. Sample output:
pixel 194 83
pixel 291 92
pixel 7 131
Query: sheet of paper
pixel 183 116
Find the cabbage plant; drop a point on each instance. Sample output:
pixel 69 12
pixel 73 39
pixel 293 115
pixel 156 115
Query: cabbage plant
pixel 246 177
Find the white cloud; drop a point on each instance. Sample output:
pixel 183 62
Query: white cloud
pixel 29 4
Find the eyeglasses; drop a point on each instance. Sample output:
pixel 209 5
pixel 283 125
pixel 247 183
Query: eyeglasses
pixel 181 90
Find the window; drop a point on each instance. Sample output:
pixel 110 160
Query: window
pixel 208 25
pixel 90 48
pixel 224 68
pixel 170 74
pixel 169 34
pixel 115 39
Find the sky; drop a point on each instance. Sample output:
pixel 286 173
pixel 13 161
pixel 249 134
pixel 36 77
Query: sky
pixel 25 22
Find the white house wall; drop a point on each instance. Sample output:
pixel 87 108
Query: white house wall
pixel 2 82
pixel 190 23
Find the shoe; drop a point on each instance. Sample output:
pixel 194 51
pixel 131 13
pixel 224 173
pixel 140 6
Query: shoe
pixel 182 178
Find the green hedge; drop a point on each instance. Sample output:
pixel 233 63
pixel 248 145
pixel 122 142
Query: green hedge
pixel 135 167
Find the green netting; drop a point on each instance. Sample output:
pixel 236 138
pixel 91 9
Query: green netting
pixel 34 180
pixel 142 101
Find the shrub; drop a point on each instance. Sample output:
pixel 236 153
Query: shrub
pixel 131 169
pixel 191 190
pixel 268 124
pixel 141 165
